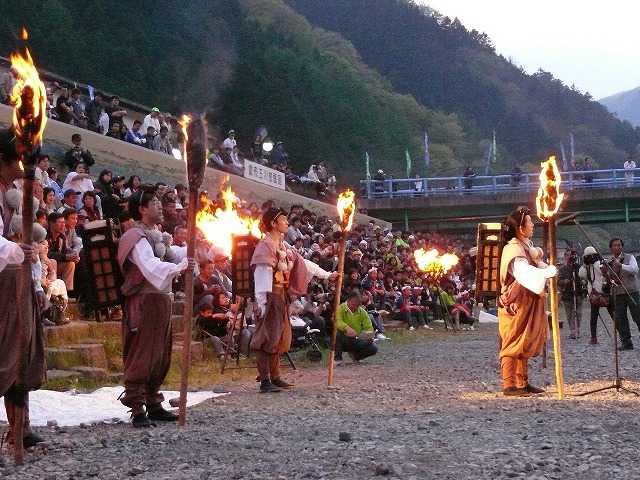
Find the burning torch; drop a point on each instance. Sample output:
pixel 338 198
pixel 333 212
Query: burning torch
pixel 548 203
pixel 436 266
pixel 346 212
pixel 29 100
pixel 195 155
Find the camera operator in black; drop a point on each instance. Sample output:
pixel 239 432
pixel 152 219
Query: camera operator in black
pixel 571 291
pixel 626 295
pixel 599 291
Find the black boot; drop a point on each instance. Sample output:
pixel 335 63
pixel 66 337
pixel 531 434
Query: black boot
pixel 140 420
pixel 515 392
pixel 159 414
pixel 531 389
pixel 31 440
pixel 267 387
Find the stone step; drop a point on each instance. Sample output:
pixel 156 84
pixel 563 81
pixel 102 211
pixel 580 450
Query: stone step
pixel 197 352
pixel 93 373
pixel 395 325
pixel 55 374
pixel 76 355
pixel 77 331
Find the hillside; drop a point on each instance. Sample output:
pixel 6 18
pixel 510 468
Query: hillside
pixel 626 105
pixel 248 63
pixel 450 68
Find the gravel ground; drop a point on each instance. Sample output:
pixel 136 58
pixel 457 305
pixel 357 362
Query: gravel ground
pixel 425 407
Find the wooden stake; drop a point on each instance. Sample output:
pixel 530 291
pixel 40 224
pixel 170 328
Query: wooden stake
pixel 336 305
pixel 555 324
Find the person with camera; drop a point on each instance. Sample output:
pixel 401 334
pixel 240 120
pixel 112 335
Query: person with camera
pixel 571 291
pixel 624 289
pixel 591 272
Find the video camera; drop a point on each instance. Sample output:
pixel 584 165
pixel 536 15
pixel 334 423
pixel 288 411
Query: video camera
pixel 592 258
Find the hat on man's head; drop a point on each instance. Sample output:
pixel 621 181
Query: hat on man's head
pixel 231 132
pixel 70 191
pixel 220 257
pixel 155 109
pixel 589 251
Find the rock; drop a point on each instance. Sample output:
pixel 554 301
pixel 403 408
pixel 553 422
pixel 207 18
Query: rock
pixel 344 437
pixel 219 389
pixel 52 423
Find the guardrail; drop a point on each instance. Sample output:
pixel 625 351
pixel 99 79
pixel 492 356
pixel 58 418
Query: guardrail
pixel 491 185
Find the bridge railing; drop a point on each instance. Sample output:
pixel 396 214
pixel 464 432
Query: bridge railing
pixel 480 184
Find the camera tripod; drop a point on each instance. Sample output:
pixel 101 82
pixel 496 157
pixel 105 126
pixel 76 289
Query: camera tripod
pixel 615 282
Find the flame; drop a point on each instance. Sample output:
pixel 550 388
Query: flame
pixel 29 100
pixel 434 264
pixel 219 226
pixel 24 34
pixel 347 209
pixel 549 198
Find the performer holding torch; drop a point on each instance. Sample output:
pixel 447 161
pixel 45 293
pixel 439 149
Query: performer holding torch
pixel 521 306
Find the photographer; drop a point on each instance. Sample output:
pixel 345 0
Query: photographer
pixel 626 295
pixel 571 291
pixel 591 273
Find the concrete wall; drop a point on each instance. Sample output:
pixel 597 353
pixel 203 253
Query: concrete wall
pixel 127 159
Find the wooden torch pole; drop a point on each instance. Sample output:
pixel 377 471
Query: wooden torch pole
pixel 336 305
pixel 555 325
pixel 195 156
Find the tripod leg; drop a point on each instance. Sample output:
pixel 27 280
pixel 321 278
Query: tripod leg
pixel 293 365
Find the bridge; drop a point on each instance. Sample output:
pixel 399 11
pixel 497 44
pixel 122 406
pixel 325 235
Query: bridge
pixel 458 203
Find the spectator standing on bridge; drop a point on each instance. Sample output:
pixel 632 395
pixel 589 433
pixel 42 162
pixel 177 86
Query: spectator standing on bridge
pixel 78 109
pixel 468 177
pixel 93 112
pixel 64 111
pixel 134 134
pixel 629 166
pixel 588 166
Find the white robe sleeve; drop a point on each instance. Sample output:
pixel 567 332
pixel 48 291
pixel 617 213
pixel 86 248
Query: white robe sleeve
pixel 632 267
pixel 10 253
pixel 316 271
pixel 530 277
pixel 158 273
pixel 263 284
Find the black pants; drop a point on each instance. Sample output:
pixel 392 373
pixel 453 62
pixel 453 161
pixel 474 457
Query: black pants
pixel 623 302
pixel 414 318
pixel 358 347
pixel 593 324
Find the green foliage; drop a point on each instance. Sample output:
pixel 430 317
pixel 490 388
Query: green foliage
pixel 249 63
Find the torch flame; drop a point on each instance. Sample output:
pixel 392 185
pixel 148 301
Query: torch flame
pixel 549 198
pixel 219 226
pixel 434 264
pixel 24 34
pixel 346 209
pixel 29 100
pixel 184 122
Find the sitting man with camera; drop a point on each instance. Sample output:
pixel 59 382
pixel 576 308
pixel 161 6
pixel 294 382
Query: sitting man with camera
pixel 572 291
pixel 599 290
pixel 355 332
pixel 623 275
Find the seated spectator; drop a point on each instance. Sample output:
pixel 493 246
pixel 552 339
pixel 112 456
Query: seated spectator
pixel 221 263
pixel 41 170
pixel 215 159
pixel 54 289
pixel 230 142
pixel 94 111
pixel 294 230
pixel 41 218
pixel 38 193
pixel 409 312
pixel 132 185
pixel 115 131
pixel 354 330
pixel 78 109
pixel 53 183
pixel 74 242
pixel 69 200
pixel 205 287
pixel 64 111
pixel 216 321
pixel 115 112
pixel 7 81
pixel 77 154
pixel 152 120
pixel 149 137
pixel 79 181
pixel 64 256
pixel 134 135
pixel 89 212
pixel 161 143
pixel 169 212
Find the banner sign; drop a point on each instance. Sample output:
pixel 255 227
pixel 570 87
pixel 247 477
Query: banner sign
pixel 262 174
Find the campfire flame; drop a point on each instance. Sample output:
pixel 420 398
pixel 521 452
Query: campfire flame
pixel 346 209
pixel 434 264
pixel 29 100
pixel 549 198
pixel 219 225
